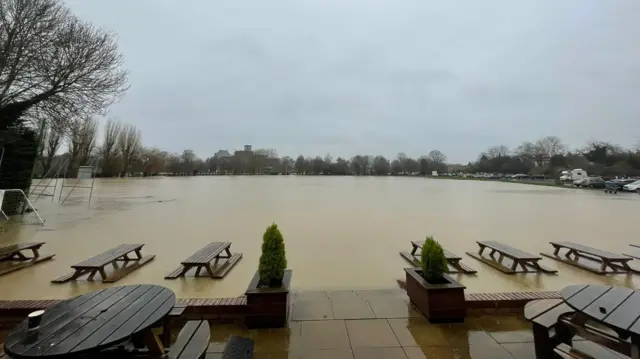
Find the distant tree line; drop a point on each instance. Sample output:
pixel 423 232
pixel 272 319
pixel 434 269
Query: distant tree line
pixel 121 153
pixel 549 155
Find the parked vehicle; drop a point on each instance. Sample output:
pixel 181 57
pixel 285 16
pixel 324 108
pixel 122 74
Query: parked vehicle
pixel 573 175
pixel 579 182
pixel 594 182
pixel 632 187
pixel 618 183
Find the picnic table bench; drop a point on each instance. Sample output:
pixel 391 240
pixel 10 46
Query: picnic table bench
pixel 591 259
pixel 528 262
pixel 15 259
pixel 636 256
pixel 453 261
pixel 203 258
pixel 97 264
pixel 544 315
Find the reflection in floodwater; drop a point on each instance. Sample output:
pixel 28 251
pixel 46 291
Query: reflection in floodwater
pixel 340 232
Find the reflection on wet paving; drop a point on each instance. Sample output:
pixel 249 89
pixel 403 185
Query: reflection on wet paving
pixel 387 328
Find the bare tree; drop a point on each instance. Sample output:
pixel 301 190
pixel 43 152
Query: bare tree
pixel 51 147
pixel 53 61
pixel 82 141
pixel 129 145
pixel 437 157
pixel 153 160
pixel 497 151
pixel 550 146
pixel 109 151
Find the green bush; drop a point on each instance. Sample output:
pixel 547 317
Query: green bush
pixel 273 260
pixel 434 263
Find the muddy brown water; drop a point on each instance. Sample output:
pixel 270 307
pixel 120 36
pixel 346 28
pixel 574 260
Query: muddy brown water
pixel 340 232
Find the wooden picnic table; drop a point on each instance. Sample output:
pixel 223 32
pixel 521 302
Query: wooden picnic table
pixel 591 259
pixel 16 259
pixel 528 262
pixel 14 252
pixel 97 264
pixel 203 258
pixel 453 260
pixel 615 308
pixel 90 323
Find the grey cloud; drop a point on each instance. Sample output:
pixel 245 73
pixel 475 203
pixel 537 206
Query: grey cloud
pixel 376 76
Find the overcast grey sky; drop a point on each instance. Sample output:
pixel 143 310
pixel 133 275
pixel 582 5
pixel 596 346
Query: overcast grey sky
pixel 375 76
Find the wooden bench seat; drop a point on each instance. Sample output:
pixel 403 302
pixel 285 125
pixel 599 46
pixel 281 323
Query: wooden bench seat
pixel 568 352
pixel 116 276
pixel 526 261
pixel 544 315
pixel 238 348
pixel 215 258
pixel 591 259
pixel 192 342
pixel 24 264
pixel 96 265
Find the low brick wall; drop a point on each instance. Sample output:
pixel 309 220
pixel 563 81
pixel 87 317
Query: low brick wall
pixel 235 309
pixel 503 303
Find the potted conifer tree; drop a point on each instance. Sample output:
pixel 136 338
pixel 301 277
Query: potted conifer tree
pixel 268 292
pixel 435 293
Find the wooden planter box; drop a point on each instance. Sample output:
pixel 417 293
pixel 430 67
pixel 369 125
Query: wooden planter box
pixel 438 302
pixel 268 307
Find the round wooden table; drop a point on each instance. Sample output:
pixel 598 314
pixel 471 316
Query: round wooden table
pixel 93 322
pixel 616 307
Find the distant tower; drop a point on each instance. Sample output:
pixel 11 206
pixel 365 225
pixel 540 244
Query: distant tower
pixel 247 148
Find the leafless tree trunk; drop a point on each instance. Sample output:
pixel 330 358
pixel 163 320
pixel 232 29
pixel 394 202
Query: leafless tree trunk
pixel 52 145
pixel 53 61
pixel 82 141
pixel 109 150
pixel 129 145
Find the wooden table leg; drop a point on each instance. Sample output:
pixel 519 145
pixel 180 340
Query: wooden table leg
pixel 153 343
pixel 413 251
pixel 210 271
pixel 102 273
pixel 138 253
pixel 35 251
pixel 481 250
pixel 514 266
pixel 93 274
pixel 635 347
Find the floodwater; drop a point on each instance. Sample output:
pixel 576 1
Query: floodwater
pixel 340 232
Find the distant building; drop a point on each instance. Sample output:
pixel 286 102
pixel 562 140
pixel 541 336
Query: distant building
pixel 247 148
pixel 222 154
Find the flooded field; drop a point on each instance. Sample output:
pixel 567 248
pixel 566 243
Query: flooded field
pixel 340 232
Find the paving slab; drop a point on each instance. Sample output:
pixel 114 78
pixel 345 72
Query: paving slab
pixel 371 333
pixel 347 304
pixel 312 305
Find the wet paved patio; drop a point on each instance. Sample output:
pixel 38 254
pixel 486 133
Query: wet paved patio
pixel 374 324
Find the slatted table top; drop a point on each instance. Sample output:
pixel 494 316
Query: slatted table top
pixel 108 256
pixel 447 254
pixel 617 307
pixel 92 322
pixel 19 247
pixel 509 251
pixel 593 251
pixel 208 253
